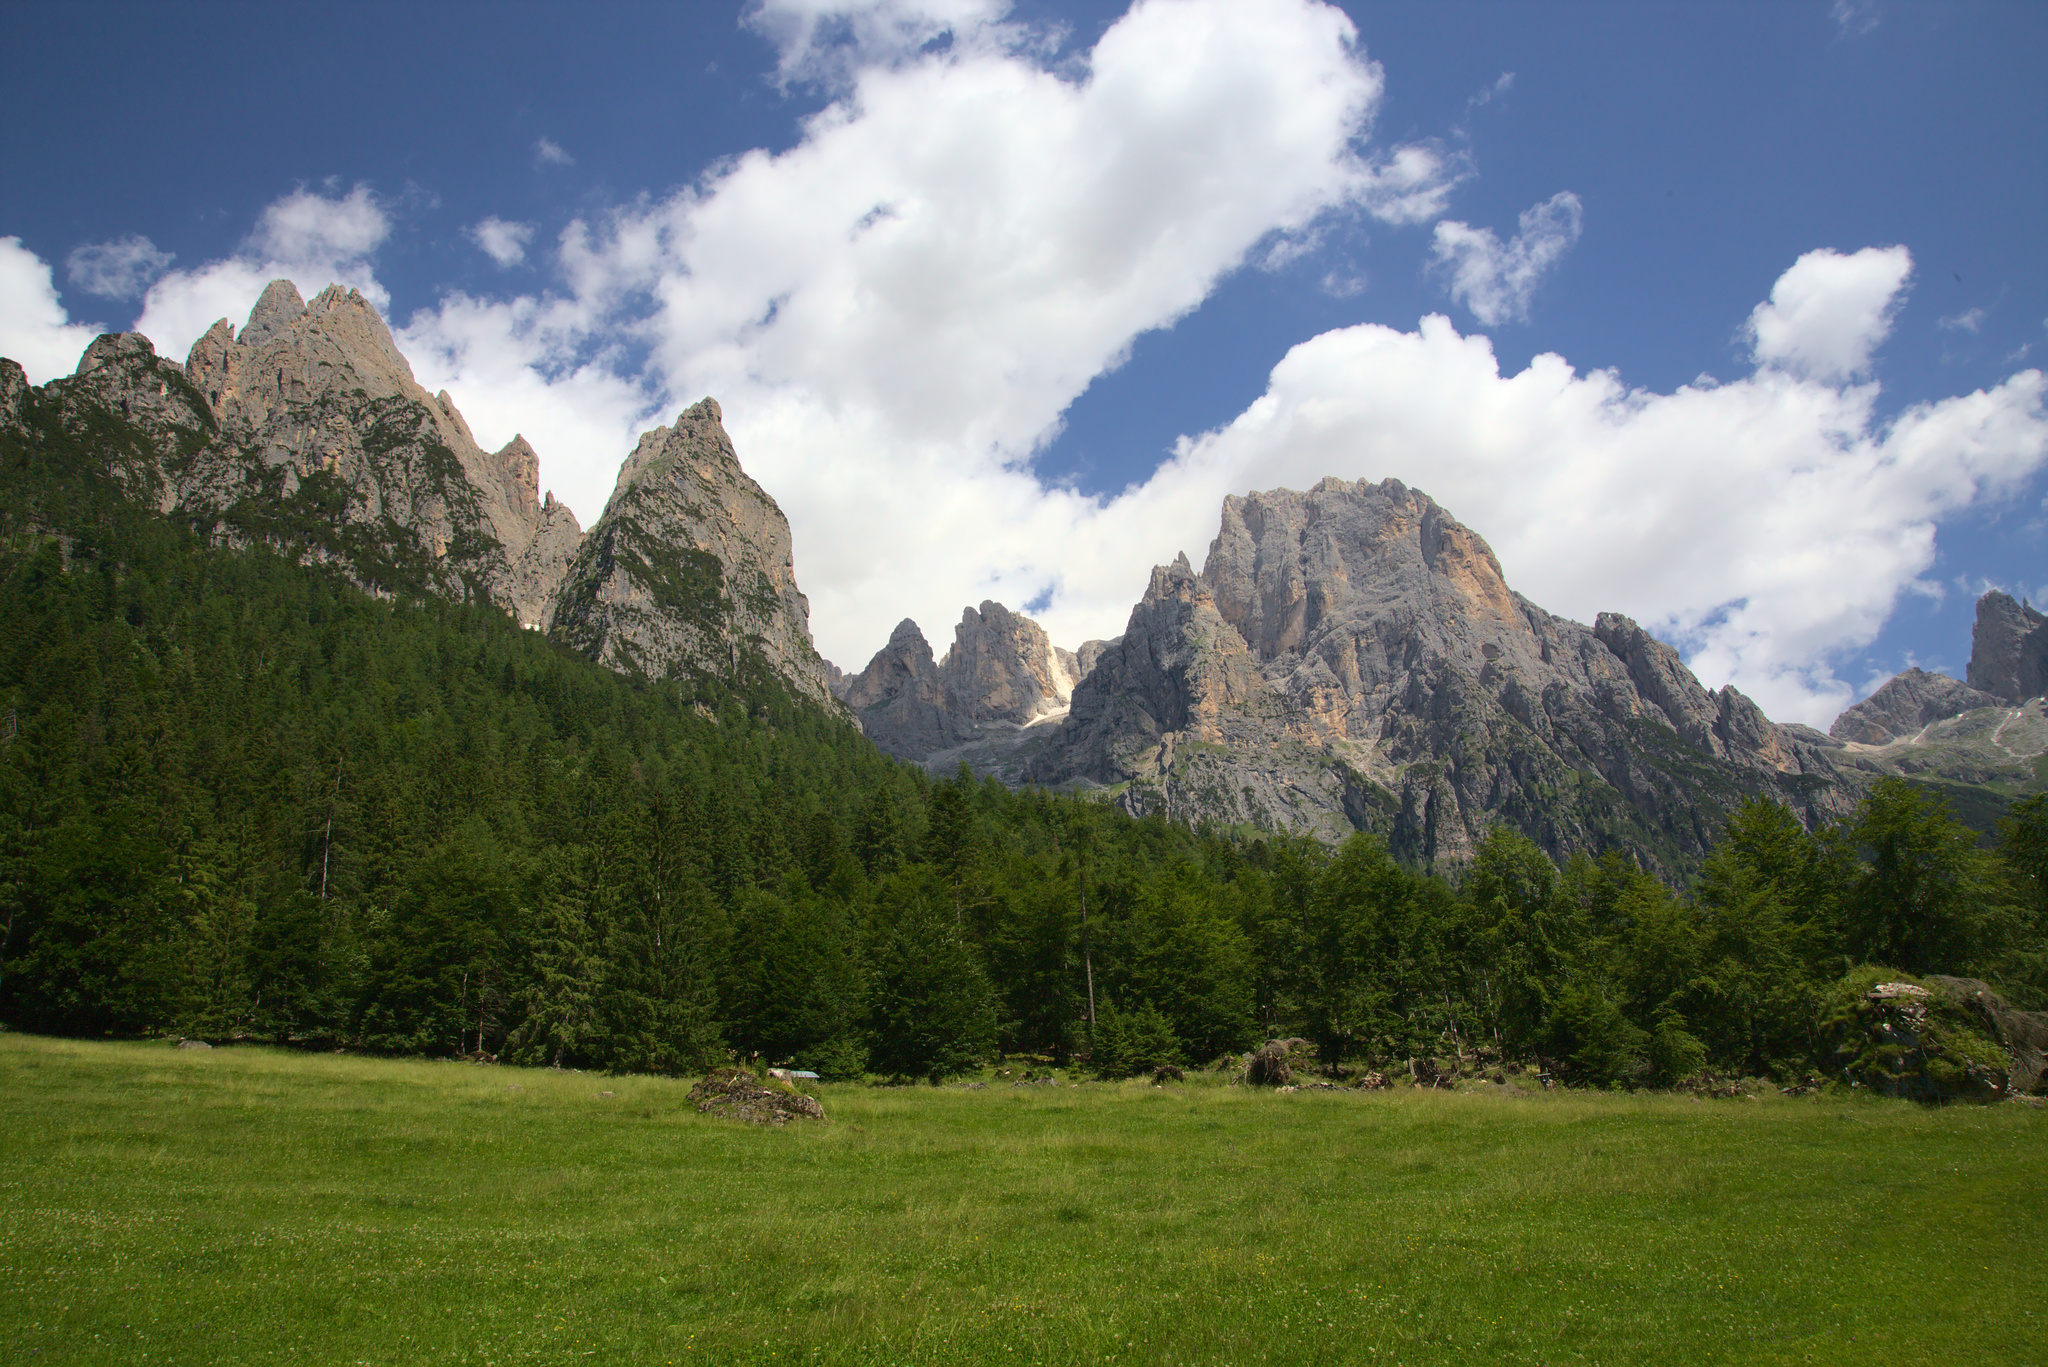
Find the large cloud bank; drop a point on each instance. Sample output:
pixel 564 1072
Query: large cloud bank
pixel 896 312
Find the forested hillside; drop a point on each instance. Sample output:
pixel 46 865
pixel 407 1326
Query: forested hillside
pixel 242 798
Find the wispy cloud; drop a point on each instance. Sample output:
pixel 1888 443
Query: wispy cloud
pixel 548 152
pixel 1855 17
pixel 1496 280
pixel 505 243
pixel 120 269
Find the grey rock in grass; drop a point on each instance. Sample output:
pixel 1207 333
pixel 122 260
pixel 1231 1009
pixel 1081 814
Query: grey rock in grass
pixel 193 1044
pixel 737 1094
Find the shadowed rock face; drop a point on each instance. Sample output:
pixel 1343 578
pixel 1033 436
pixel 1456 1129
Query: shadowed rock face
pixel 1352 657
pixel 691 569
pixel 1907 703
pixel 308 431
pixel 900 700
pixel 1000 677
pixel 2009 649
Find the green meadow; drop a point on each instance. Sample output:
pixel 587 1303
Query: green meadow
pixel 246 1205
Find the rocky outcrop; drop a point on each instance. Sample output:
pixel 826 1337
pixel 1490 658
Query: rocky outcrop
pixel 327 439
pixel 1908 703
pixel 1000 682
pixel 1088 654
pixel 2009 649
pixel 1002 667
pixel 307 431
pixel 899 699
pixel 1353 658
pixel 690 570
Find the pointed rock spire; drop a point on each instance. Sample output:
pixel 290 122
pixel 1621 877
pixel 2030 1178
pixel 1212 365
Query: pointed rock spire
pixel 277 309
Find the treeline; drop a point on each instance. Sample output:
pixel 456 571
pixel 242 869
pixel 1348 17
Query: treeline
pixel 241 799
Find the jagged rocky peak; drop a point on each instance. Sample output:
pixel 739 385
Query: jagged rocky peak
pixel 321 390
pixel 1907 704
pixel 1001 676
pixel 308 430
pixel 1352 657
pixel 691 569
pixel 1003 667
pixel 2009 649
pixel 900 699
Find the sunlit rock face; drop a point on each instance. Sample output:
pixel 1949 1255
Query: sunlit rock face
pixel 990 703
pixel 1353 658
pixel 690 570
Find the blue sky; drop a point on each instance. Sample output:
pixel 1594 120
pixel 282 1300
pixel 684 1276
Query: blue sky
pixel 1068 258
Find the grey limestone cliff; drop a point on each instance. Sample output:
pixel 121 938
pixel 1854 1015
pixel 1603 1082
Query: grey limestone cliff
pixel 1000 685
pixel 2009 649
pixel 1907 703
pixel 321 424
pixel 1352 658
pixel 690 569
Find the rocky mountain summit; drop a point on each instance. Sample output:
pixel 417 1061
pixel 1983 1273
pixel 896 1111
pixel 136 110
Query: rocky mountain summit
pixel 690 562
pixel 1907 703
pixel 1000 685
pixel 2009 649
pixel 307 431
pixel 1990 733
pixel 1353 658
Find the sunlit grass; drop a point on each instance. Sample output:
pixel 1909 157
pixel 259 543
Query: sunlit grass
pixel 245 1205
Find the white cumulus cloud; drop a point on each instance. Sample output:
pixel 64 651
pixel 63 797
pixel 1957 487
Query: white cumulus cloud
pixel 895 312
pixel 1769 524
pixel 119 269
pixel 828 41
pixel 505 243
pixel 1497 279
pixel 35 330
pixel 1829 312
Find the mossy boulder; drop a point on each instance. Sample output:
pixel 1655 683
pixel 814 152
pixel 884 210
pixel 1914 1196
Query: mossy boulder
pixel 1910 1037
pixel 739 1095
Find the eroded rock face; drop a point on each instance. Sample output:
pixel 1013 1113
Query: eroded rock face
pixel 1906 704
pixel 2008 649
pixel 1352 657
pixel 899 699
pixel 308 430
pixel 1002 667
pixel 690 569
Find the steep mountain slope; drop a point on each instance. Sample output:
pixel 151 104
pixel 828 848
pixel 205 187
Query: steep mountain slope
pixel 690 567
pixel 307 431
pixel 1352 657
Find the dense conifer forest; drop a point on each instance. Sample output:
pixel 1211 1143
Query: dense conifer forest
pixel 240 798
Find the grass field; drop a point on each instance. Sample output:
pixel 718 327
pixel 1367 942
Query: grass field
pixel 252 1206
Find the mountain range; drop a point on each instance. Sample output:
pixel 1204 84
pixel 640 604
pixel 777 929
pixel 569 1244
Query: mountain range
pixel 1347 658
